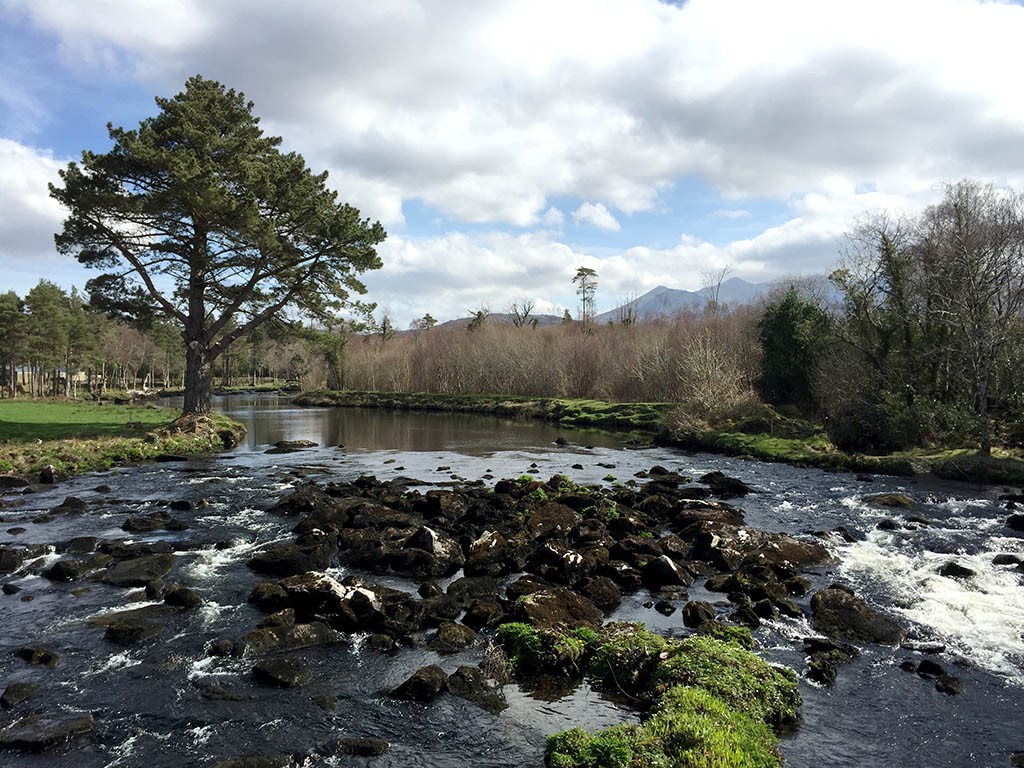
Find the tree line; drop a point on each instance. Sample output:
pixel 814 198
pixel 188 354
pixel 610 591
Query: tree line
pixel 54 343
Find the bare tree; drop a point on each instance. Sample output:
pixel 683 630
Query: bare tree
pixel 521 314
pixel 711 282
pixel 973 244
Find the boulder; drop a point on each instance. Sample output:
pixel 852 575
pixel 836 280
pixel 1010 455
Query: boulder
pixel 131 631
pixel 282 673
pixel 182 597
pixel 452 638
pixel 697 613
pixel 890 500
pixel 725 487
pixel 484 612
pixel 1015 522
pixel 287 637
pixel 139 571
pixel 37 733
pixel 663 572
pixel 37 656
pixel 824 658
pixel 424 684
pixel 552 520
pixel 839 614
pixel 361 746
pixel 556 606
pixel 603 592
pixel 445 554
pixel 309 552
pixel 16 693
pixel 953 570
pixel 11 559
pixel 471 684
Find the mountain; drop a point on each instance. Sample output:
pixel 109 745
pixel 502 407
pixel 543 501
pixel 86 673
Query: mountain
pixel 666 302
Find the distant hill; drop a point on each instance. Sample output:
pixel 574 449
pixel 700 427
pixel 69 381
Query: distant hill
pixel 666 302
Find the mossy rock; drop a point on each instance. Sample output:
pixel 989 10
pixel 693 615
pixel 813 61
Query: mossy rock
pixel 738 677
pixel 533 652
pixel 690 728
pixel 626 657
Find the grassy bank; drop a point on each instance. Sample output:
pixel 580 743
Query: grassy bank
pixel 75 437
pixel 756 433
pixel 596 414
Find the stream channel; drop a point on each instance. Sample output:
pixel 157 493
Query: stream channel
pixel 146 699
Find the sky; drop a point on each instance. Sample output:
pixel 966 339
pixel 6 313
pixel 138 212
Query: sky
pixel 503 144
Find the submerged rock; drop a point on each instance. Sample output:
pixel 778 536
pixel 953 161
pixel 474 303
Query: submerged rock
pixel 15 693
pixel 286 637
pixel 283 673
pixel 361 746
pixel 424 684
pixel 471 684
pixel 36 656
pixel 37 733
pixel 139 571
pixel 890 500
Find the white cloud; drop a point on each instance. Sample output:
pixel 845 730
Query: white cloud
pixel 29 217
pixel 488 111
pixel 513 112
pixel 596 214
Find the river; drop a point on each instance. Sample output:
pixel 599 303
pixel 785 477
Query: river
pixel 151 702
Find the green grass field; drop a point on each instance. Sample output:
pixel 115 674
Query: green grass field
pixel 30 420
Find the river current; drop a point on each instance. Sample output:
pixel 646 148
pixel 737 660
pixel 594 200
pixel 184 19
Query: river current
pixel 152 703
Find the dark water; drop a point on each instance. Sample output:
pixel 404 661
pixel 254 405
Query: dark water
pixel 147 700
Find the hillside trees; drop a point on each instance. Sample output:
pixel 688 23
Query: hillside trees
pixel 198 217
pixel 933 310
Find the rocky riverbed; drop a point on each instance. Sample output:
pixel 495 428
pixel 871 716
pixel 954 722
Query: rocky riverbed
pixel 317 606
pixel 552 555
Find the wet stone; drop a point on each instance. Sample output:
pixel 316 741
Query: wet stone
pixel 139 571
pixel 37 656
pixel 16 693
pixel 471 684
pixel 424 684
pixel 283 673
pixel 182 597
pixel 42 732
pixel 132 631
pixel 362 746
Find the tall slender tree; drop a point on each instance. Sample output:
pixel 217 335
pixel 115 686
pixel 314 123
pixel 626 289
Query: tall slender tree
pixel 198 216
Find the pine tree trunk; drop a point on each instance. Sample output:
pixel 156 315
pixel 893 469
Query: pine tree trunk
pixel 198 381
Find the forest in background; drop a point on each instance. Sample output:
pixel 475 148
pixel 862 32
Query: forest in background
pixel 924 346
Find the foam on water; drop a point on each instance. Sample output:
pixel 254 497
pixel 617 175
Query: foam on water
pixel 980 617
pixel 116 662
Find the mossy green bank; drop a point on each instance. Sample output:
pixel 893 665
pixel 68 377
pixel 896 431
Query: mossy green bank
pixel 74 437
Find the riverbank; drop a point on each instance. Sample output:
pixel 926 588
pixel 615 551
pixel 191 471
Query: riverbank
pixel 57 439
pixel 765 435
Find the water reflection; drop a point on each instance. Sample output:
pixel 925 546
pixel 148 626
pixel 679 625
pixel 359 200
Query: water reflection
pixel 271 418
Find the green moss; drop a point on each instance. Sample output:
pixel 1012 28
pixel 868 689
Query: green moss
pixel 689 729
pixel 533 652
pixel 741 679
pixel 627 657
pixel 728 633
